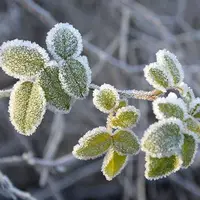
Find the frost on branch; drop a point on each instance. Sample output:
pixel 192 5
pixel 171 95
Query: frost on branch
pixel 171 106
pixel 126 117
pixel 93 144
pixel 75 77
pixel 26 107
pixel 56 97
pixel 125 142
pixel 113 164
pixel 163 139
pixel 170 62
pixel 22 59
pixel 106 98
pixel 194 108
pixel 157 76
pixel 189 150
pixel 161 167
pixel 64 41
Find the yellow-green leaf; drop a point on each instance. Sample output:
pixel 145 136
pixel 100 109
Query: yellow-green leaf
pixel 189 149
pixel 193 125
pixel 126 117
pixel 125 142
pixel 113 164
pixel 22 59
pixel 161 167
pixel 26 107
pixel 93 144
pixel 54 93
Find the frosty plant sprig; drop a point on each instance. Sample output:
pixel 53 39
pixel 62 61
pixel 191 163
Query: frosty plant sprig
pixel 56 80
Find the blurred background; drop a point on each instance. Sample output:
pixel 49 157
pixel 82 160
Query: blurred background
pixel 120 37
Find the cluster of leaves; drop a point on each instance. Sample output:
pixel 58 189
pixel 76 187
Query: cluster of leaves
pixel 170 143
pixel 45 83
pixel 116 139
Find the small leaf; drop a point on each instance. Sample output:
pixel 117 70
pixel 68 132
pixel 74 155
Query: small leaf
pixel 163 139
pixel 22 59
pixel 122 103
pixel 54 93
pixel 126 117
pixel 113 164
pixel 75 77
pixel 157 76
pixel 27 107
pixel 161 167
pixel 194 108
pixel 93 144
pixel 126 142
pixel 189 150
pixel 64 41
pixel 170 62
pixel 106 98
pixel 193 125
pixel 186 92
pixel 171 106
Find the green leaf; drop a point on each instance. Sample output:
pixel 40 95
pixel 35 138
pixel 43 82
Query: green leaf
pixel 113 164
pixel 170 106
pixel 22 59
pixel 157 76
pixel 163 138
pixel 75 77
pixel 56 97
pixel 93 144
pixel 64 41
pixel 194 108
pixel 27 107
pixel 189 150
pixel 170 62
pixel 186 93
pixel 161 167
pixel 122 103
pixel 126 142
pixel 106 98
pixel 126 117
pixel 193 125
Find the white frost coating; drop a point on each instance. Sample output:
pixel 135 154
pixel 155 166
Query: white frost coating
pixel 194 106
pixel 97 92
pixel 63 26
pixel 128 109
pixel 89 134
pixel 172 99
pixel 153 128
pixel 107 159
pixel 10 108
pixel 162 176
pixel 52 63
pixel 21 43
pixel 151 81
pixel 160 59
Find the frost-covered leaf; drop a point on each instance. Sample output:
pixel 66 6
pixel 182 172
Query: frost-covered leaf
pixel 157 76
pixel 75 77
pixel 113 164
pixel 194 108
pixel 22 59
pixel 122 103
pixel 106 98
pixel 64 41
pixel 186 92
pixel 163 139
pixel 93 144
pixel 26 107
pixel 161 167
pixel 54 93
pixel 170 106
pixel 193 125
pixel 126 117
pixel 125 142
pixel 170 62
pixel 189 150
